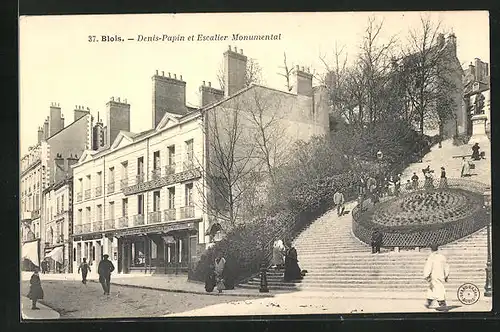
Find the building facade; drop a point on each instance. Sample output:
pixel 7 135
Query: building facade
pixel 140 197
pixel 44 166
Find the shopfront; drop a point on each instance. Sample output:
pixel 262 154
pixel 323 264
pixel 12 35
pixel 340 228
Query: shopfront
pixel 160 249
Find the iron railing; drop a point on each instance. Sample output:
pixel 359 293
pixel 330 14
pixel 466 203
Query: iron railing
pixel 123 222
pixel 123 183
pixel 188 165
pixel 138 220
pixel 86 227
pixel 78 229
pixel 79 197
pixel 97 226
pixel 111 187
pixel 187 212
pixel 169 214
pixel 88 193
pixel 98 191
pixel 156 174
pixel 170 169
pixel 139 178
pixel 154 217
pixel 109 224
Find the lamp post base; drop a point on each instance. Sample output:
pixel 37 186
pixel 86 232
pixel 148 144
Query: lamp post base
pixel 263 280
pixel 488 291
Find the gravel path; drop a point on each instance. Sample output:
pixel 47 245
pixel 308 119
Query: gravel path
pixel 72 299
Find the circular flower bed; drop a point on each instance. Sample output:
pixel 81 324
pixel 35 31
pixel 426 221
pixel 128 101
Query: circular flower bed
pixel 427 207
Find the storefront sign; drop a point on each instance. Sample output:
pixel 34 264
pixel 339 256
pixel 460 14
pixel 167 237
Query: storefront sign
pixel 161 228
pixel 168 239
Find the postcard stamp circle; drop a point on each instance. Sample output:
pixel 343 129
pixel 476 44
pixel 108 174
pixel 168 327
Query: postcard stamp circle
pixel 468 294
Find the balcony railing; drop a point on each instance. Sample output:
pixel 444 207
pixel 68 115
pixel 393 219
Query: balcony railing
pixel 98 191
pixel 169 214
pixel 156 174
pixel 139 178
pixel 123 222
pixel 123 183
pixel 109 224
pixel 188 165
pixel 35 214
pixel 97 226
pixel 138 219
pixel 111 187
pixel 88 193
pixel 78 229
pixel 170 169
pixel 187 212
pixel 154 217
pixel 79 197
pixel 60 238
pixel 86 228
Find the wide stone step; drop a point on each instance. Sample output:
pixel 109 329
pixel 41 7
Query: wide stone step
pixel 384 273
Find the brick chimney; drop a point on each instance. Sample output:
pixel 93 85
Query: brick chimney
pixel 55 123
pixel 71 160
pixel 59 168
pixel 46 133
pixel 40 134
pixel 80 112
pixel 235 70
pixel 303 83
pixel 479 69
pixel 169 95
pixel 118 118
pixel 98 139
pixel 210 95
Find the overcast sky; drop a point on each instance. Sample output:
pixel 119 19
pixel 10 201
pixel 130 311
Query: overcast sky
pixel 59 64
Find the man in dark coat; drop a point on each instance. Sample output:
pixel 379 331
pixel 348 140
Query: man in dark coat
pixel 376 241
pixel 105 268
pixel 475 152
pixel 85 268
pixel 36 291
pixel 292 269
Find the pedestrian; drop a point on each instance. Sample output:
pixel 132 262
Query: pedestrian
pixel 475 152
pixel 414 181
pixel 465 168
pixel 36 291
pixel 339 201
pixel 397 184
pixel 436 272
pixel 292 269
pixel 408 186
pixel 85 268
pixel 278 260
pixel 429 180
pixel 210 280
pixel 443 182
pixel 220 263
pixel 44 266
pixel 104 270
pixel 376 241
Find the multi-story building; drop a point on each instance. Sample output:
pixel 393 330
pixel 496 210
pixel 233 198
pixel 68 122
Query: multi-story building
pixel 139 197
pixel 477 91
pixel 40 170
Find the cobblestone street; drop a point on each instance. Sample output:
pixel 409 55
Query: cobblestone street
pixel 72 299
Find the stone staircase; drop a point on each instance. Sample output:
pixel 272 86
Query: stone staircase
pixel 337 261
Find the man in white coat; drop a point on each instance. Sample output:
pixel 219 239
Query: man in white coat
pixel 338 199
pixel 436 272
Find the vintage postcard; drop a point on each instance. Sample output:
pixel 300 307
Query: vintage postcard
pixel 254 164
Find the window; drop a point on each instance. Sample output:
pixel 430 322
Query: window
pixel 171 198
pixel 88 211
pixel 111 210
pixel 189 194
pixel 140 165
pixel 99 179
pixel 62 202
pixel 171 155
pixel 125 170
pixel 80 185
pixel 74 254
pixel 156 201
pixel 189 151
pixel 89 182
pixel 58 207
pixel 99 213
pixel 111 175
pixel 140 204
pixel 125 207
pixel 156 160
pixel 79 217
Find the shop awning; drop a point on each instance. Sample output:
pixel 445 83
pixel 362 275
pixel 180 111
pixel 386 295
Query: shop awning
pixel 29 250
pixel 56 254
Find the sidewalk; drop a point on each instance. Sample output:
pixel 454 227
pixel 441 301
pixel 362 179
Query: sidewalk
pixel 305 302
pixel 166 283
pixel 44 312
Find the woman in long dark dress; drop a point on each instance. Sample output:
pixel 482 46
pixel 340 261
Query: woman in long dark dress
pixel 292 269
pixel 36 291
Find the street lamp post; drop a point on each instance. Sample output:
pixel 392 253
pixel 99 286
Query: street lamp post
pixel 488 285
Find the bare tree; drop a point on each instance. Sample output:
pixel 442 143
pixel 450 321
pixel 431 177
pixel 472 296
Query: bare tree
pixel 227 167
pixel 427 73
pixel 287 73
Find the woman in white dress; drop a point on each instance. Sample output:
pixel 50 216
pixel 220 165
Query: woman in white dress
pixel 278 260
